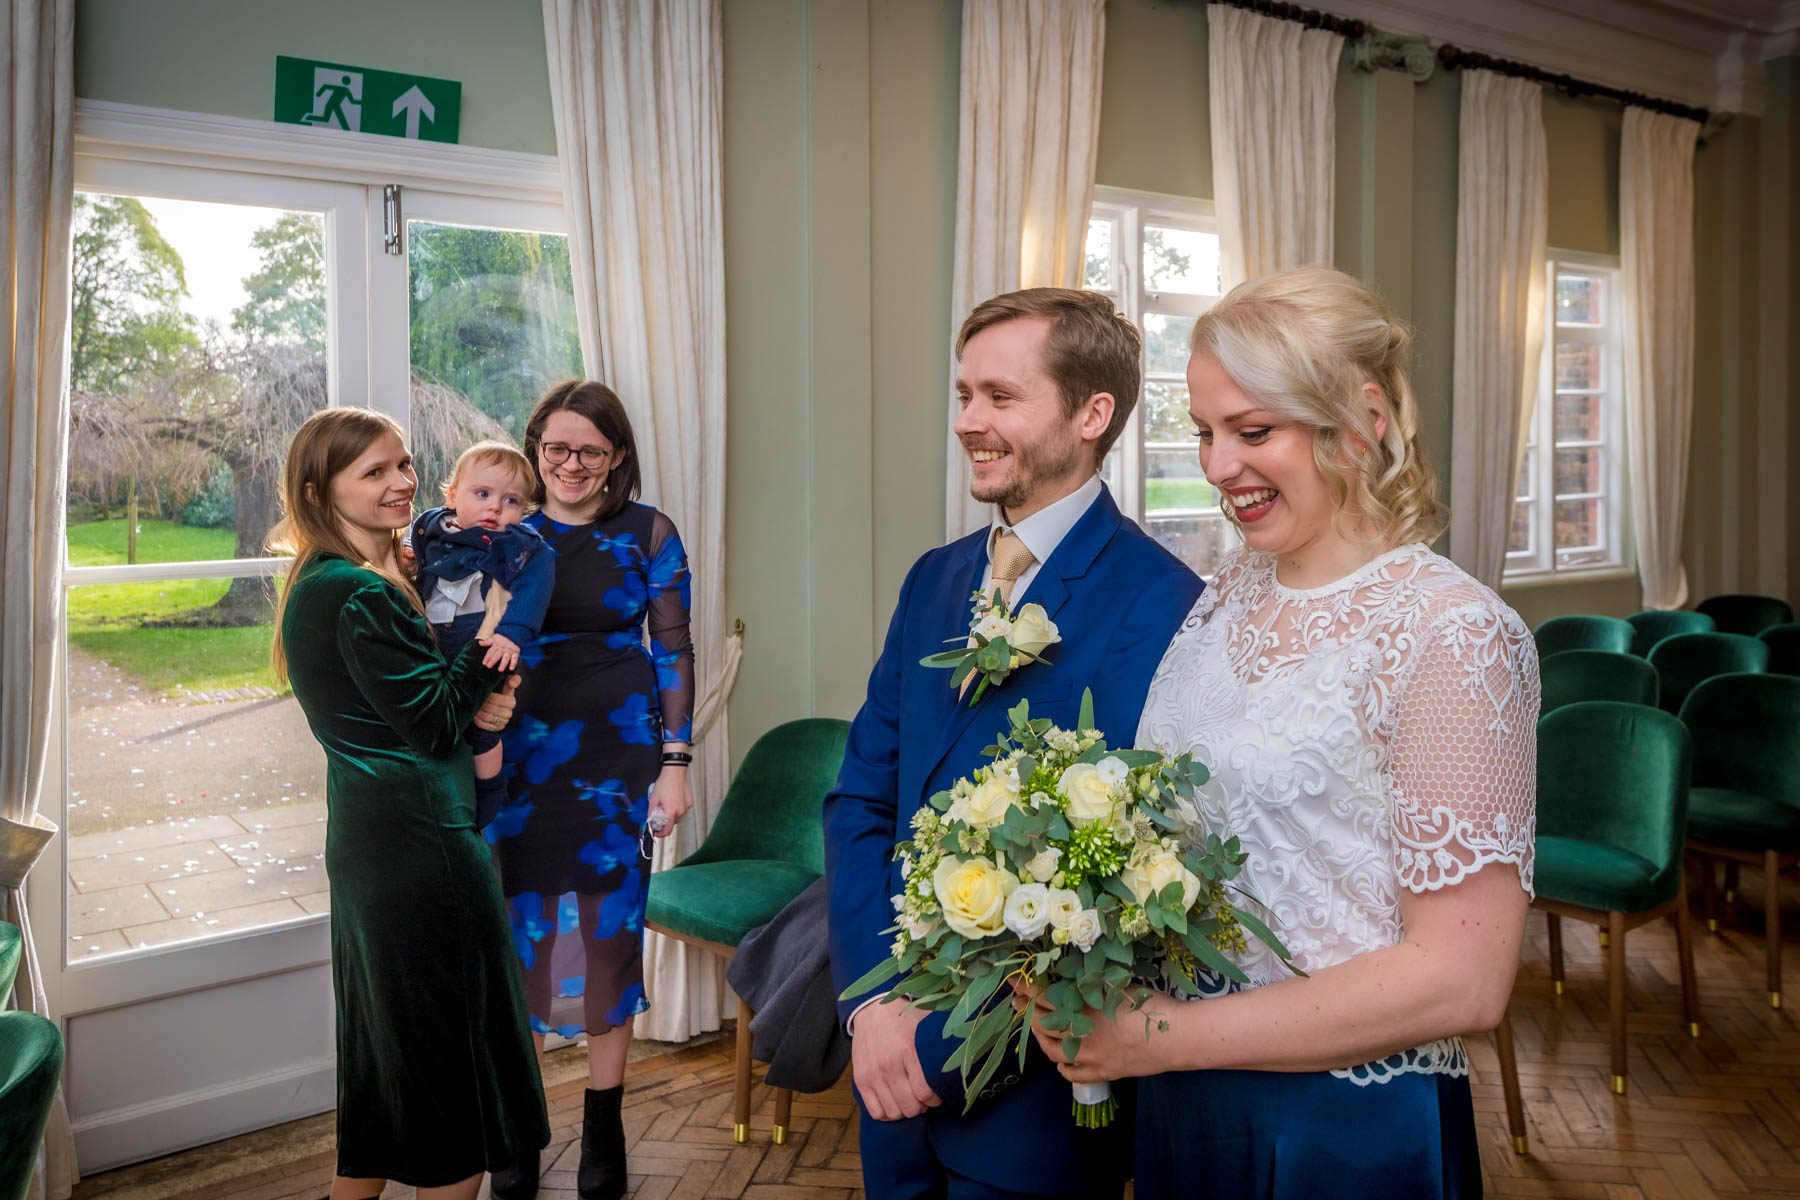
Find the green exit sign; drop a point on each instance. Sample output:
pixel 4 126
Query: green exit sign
pixel 361 100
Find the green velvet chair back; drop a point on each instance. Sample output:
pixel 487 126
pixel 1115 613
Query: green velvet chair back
pixel 31 1055
pixel 1783 642
pixel 1745 614
pixel 1747 734
pixel 1651 626
pixel 1686 659
pixel 11 946
pixel 774 808
pixel 1616 773
pixel 1582 632
pixel 1575 675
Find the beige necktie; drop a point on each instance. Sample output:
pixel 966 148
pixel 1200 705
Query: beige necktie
pixel 1011 558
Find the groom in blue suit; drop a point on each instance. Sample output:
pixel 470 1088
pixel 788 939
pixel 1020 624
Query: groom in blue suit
pixel 1047 379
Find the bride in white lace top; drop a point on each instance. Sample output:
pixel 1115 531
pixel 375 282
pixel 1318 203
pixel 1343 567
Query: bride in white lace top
pixel 1369 713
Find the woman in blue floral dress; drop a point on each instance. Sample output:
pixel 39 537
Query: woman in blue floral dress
pixel 604 713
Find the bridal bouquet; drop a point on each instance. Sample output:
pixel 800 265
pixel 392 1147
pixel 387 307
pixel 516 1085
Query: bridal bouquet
pixel 1069 871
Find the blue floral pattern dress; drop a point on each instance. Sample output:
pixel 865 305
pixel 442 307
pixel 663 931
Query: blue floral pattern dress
pixel 607 682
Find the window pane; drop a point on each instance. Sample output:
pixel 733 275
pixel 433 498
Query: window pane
pixel 1097 269
pixel 196 791
pixel 1527 472
pixel 1580 300
pixel 1577 418
pixel 1578 366
pixel 1166 343
pixel 1578 525
pixel 1173 481
pixel 1181 260
pixel 198 345
pixel 493 325
pixel 1518 539
pixel 1199 541
pixel 1166 416
pixel 1578 471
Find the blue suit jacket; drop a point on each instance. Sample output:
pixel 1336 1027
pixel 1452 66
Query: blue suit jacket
pixel 1117 598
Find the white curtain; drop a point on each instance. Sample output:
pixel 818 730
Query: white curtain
pixel 1656 254
pixel 636 89
pixel 1501 218
pixel 37 190
pixel 1270 86
pixel 1029 133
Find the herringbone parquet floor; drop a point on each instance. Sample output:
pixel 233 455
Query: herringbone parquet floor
pixel 1716 1116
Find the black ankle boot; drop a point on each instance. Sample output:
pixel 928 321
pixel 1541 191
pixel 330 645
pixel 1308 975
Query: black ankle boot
pixel 601 1175
pixel 517 1182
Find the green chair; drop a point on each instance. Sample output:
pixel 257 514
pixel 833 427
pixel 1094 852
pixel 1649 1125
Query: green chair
pixel 31 1055
pixel 1573 675
pixel 1682 662
pixel 1652 626
pixel 1745 804
pixel 1748 615
pixel 1582 632
pixel 1612 812
pixel 1783 642
pixel 766 846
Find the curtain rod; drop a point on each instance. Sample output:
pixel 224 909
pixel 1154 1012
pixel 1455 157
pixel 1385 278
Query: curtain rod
pixel 1453 57
pixel 1309 17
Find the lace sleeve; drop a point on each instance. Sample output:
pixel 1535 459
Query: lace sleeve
pixel 671 643
pixel 1464 748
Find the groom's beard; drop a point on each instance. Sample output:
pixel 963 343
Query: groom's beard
pixel 1034 463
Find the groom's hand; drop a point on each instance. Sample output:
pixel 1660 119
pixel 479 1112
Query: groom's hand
pixel 884 1061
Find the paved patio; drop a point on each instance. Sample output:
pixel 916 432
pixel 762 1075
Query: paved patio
pixel 188 816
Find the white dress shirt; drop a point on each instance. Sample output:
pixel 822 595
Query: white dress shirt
pixel 1042 532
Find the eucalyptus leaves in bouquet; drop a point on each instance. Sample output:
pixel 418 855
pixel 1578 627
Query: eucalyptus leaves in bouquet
pixel 1068 871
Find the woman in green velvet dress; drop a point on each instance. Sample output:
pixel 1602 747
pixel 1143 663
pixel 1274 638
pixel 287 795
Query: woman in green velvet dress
pixel 437 1078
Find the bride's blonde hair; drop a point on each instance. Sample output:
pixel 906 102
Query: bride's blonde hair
pixel 1304 344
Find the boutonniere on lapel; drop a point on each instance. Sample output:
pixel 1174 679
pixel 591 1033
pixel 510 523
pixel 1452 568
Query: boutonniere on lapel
pixel 1000 641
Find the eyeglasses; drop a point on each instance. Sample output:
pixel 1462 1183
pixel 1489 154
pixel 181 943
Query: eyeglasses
pixel 588 456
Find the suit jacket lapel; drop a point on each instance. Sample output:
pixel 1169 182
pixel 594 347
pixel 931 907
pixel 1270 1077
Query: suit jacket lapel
pixel 1071 559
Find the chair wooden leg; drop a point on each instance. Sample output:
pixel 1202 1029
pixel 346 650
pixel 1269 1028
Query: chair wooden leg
pixel 740 1112
pixel 1772 922
pixel 1615 922
pixel 1684 949
pixel 1509 1082
pixel 1556 955
pixel 784 1108
pixel 1709 891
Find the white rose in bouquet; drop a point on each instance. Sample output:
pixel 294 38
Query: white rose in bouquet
pixel 1085 929
pixel 1043 864
pixel 972 893
pixel 1028 909
pixel 1090 799
pixel 1148 874
pixel 986 806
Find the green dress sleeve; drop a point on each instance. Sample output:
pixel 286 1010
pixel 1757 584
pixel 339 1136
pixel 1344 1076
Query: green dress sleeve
pixel 396 664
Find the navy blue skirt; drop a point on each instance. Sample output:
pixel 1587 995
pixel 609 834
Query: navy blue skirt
pixel 1265 1135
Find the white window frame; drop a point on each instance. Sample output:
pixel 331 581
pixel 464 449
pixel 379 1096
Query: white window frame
pixel 1128 212
pixel 1539 564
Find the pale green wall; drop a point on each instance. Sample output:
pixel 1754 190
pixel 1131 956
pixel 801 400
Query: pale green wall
pixel 840 183
pixel 218 56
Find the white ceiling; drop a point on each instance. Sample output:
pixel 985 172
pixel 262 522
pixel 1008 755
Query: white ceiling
pixel 1703 52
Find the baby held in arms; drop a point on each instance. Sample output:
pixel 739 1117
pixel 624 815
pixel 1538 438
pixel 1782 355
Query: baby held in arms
pixel 484 577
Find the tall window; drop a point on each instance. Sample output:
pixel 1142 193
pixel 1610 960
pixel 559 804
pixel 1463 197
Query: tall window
pixel 1158 258
pixel 1569 512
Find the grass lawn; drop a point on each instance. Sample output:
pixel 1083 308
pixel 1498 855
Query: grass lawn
pixel 113 621
pixel 1162 494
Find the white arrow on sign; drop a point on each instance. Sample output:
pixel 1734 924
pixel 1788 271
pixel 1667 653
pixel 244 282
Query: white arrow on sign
pixel 413 102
